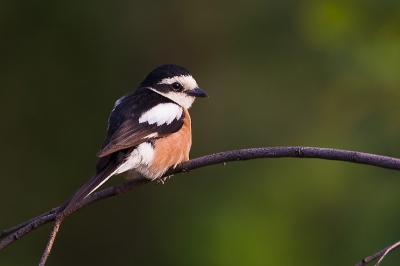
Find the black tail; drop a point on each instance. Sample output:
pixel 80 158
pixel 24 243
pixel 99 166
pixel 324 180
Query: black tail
pixel 92 184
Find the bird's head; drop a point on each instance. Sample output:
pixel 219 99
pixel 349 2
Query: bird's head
pixel 175 83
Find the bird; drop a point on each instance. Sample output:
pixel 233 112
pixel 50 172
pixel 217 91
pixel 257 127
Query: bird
pixel 149 130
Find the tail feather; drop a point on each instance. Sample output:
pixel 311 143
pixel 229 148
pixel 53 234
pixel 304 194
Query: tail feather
pixel 91 185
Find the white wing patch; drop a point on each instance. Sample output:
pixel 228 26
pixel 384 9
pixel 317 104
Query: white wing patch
pixel 163 113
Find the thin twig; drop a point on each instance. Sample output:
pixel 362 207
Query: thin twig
pixel 31 225
pixel 388 250
pixel 381 254
pixel 371 258
pixel 35 223
pixel 17 227
pixel 50 243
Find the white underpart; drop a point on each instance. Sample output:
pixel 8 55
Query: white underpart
pixel 160 114
pixel 142 155
pixel 188 83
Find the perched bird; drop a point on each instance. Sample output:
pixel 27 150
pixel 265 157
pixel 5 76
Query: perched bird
pixel 149 130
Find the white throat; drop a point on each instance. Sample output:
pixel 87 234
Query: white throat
pixel 180 98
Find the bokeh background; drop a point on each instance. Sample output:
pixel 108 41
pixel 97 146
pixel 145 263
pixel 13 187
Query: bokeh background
pixel 279 73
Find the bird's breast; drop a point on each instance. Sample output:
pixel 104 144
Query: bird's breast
pixel 172 149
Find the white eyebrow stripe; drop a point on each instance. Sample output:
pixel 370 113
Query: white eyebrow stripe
pixel 187 81
pixel 163 113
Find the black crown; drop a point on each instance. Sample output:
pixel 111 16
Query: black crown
pixel 162 72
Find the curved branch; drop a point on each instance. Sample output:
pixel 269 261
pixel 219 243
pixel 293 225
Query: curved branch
pixel 217 158
pixel 297 152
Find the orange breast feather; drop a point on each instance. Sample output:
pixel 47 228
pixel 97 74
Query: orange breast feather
pixel 173 149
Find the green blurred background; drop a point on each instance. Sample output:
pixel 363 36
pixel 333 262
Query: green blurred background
pixel 279 73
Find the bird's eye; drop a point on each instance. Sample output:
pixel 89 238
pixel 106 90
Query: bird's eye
pixel 176 86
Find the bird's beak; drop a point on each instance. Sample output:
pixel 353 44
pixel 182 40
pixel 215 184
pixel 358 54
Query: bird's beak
pixel 197 92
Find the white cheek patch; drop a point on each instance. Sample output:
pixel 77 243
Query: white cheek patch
pixel 160 114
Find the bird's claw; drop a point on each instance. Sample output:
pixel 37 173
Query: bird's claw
pixel 161 180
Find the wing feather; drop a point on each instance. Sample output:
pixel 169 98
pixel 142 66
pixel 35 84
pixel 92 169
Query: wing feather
pixel 124 129
pixel 131 133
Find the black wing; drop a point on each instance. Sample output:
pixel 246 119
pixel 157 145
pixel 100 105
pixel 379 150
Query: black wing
pixel 132 133
pixel 125 131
